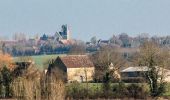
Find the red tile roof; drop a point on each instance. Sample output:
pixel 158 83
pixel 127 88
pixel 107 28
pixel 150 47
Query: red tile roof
pixel 77 61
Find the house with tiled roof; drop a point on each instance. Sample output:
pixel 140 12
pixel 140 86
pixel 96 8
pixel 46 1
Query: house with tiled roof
pixel 76 67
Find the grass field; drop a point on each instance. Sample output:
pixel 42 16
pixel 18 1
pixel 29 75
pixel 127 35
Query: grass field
pixel 167 93
pixel 41 59
pixel 98 86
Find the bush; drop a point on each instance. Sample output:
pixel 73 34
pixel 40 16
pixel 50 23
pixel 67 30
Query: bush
pixel 162 88
pixel 80 91
pixel 119 90
pixel 5 81
pixel 52 88
pixel 116 91
pixel 134 80
pixel 137 91
pixel 76 91
pixel 26 89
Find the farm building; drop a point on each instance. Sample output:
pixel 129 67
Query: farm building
pixel 139 74
pixel 25 69
pixel 75 67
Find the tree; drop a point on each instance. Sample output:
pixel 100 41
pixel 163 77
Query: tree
pixel 93 40
pixel 6 80
pixel 26 80
pixel 143 37
pixel 124 39
pixel 5 60
pixel 156 59
pixel 19 36
pixel 107 63
pixel 52 83
pixel 115 40
pixel 5 74
pixel 78 47
pixel 107 60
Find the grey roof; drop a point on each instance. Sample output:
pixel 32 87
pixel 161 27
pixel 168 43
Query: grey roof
pixel 135 69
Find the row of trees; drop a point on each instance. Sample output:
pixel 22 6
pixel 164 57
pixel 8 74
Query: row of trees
pixel 124 40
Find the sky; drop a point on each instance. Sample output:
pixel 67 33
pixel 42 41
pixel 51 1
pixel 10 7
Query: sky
pixel 86 18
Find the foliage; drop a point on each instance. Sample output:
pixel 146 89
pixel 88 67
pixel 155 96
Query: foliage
pixel 117 91
pixel 5 60
pixel 93 40
pixel 137 91
pixel 5 81
pixel 106 84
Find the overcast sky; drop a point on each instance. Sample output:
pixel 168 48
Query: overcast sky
pixel 86 18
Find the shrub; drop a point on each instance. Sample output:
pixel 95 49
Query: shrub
pixel 162 88
pixel 106 85
pixel 119 90
pixel 26 89
pixel 52 88
pixel 76 91
pixel 5 81
pixel 137 91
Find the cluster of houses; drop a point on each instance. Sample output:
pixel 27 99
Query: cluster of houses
pixel 61 42
pixel 45 44
pixel 81 69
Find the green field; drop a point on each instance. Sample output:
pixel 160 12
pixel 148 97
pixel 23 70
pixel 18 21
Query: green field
pixel 41 59
pixel 98 86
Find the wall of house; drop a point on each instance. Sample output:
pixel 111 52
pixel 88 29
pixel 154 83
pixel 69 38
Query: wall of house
pixel 167 77
pixel 79 74
pixel 132 75
pixel 59 64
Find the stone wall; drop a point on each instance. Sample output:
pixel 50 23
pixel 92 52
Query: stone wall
pixel 79 74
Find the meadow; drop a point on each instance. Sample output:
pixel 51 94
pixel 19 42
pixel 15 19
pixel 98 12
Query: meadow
pixel 40 60
pixel 97 87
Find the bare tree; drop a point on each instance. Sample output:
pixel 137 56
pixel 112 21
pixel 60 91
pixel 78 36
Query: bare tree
pixel 35 85
pixel 156 59
pixel 78 47
pixel 107 60
pixel 27 89
pixel 19 36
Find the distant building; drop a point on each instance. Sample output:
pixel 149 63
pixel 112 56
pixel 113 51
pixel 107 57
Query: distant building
pixel 44 37
pixel 76 67
pixel 137 74
pixel 64 34
pixel 104 42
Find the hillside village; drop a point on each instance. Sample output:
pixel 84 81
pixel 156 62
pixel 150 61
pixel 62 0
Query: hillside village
pixel 62 43
pixel 84 50
pixel 121 67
